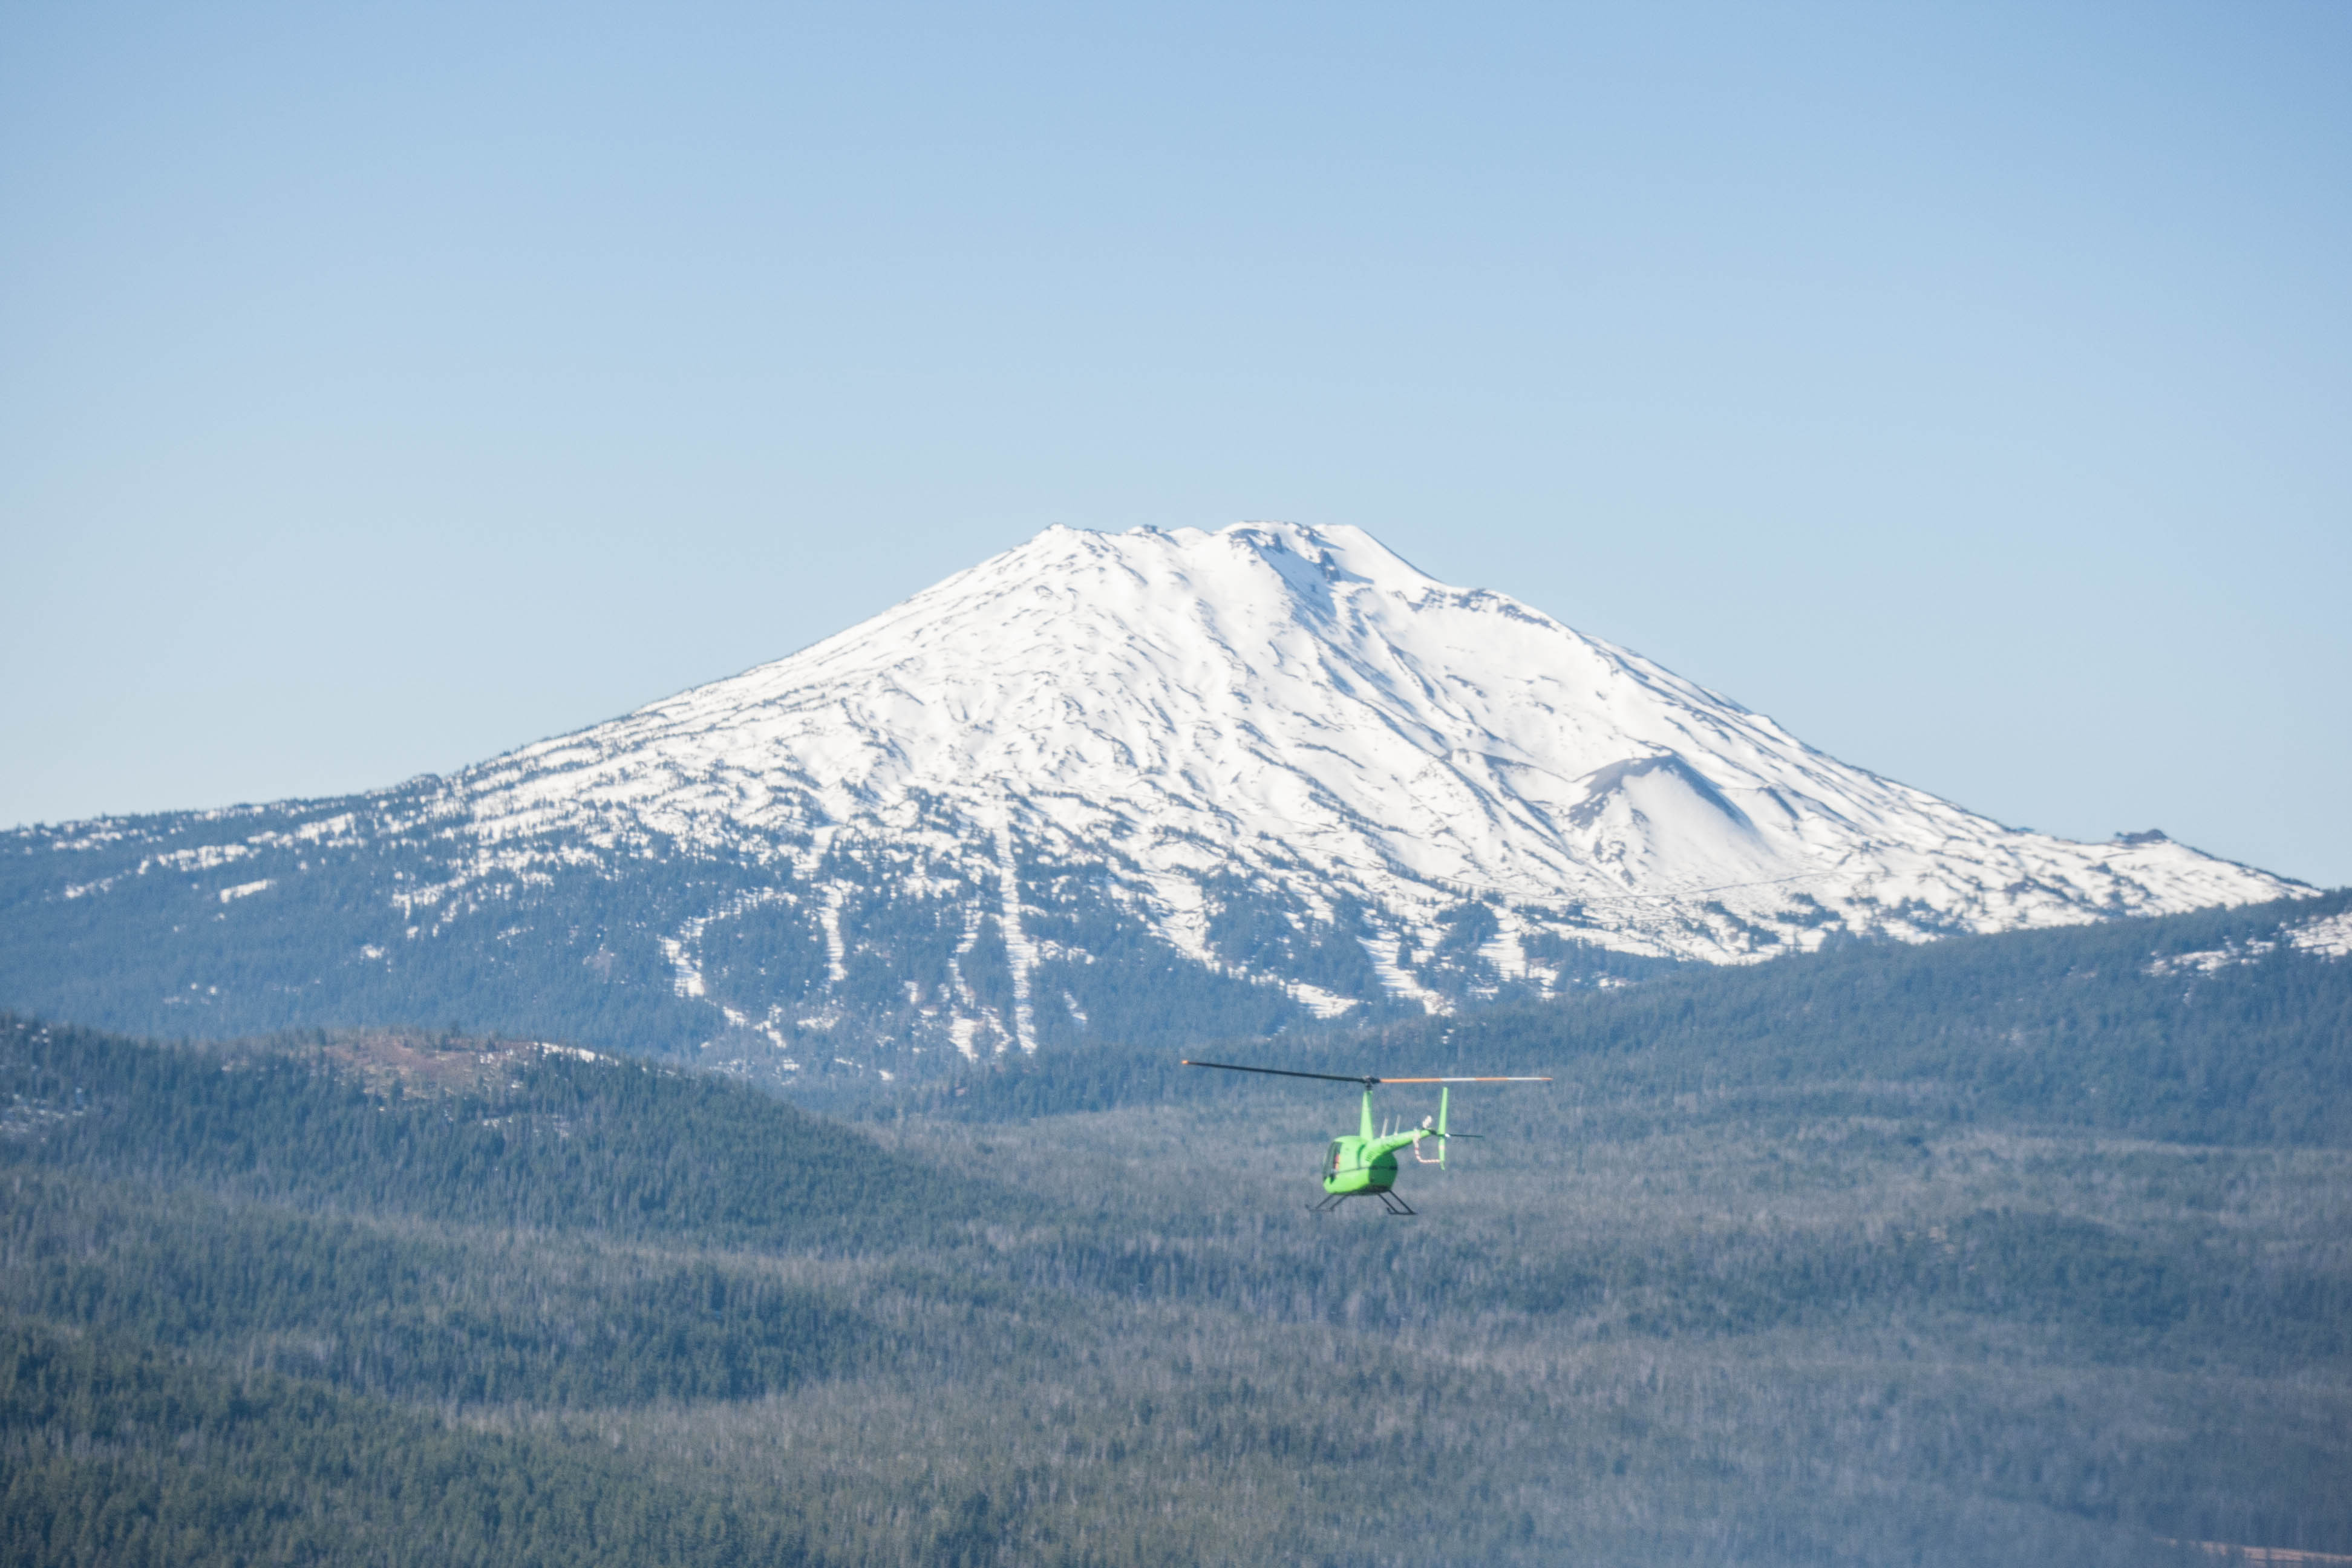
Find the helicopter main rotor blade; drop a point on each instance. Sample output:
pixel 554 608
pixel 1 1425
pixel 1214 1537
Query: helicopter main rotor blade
pixel 1462 1080
pixel 1286 1072
pixel 1354 1078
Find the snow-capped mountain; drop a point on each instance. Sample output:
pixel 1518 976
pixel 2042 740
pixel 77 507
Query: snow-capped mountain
pixel 1248 772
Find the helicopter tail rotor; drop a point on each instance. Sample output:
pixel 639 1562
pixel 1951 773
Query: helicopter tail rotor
pixel 1435 1127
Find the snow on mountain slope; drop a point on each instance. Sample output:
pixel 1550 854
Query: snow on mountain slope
pixel 1301 707
pixel 1139 786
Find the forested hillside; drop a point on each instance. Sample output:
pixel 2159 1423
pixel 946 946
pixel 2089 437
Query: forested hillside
pixel 2032 1248
pixel 2201 1028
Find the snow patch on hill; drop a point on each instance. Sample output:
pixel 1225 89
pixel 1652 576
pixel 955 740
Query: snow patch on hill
pixel 2328 936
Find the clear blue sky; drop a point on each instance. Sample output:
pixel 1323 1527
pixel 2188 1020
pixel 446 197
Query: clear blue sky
pixel 1970 387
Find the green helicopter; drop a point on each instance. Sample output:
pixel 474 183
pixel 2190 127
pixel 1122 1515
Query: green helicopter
pixel 1366 1165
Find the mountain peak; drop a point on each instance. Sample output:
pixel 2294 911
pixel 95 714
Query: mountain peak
pixel 1280 761
pixel 1196 703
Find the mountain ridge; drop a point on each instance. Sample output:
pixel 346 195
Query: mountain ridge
pixel 1269 773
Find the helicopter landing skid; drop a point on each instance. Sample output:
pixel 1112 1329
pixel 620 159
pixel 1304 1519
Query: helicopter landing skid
pixel 1396 1205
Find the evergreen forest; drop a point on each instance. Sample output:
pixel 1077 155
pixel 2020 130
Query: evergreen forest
pixel 2035 1247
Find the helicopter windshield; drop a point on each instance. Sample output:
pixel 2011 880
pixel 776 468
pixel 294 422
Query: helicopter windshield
pixel 1331 1160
